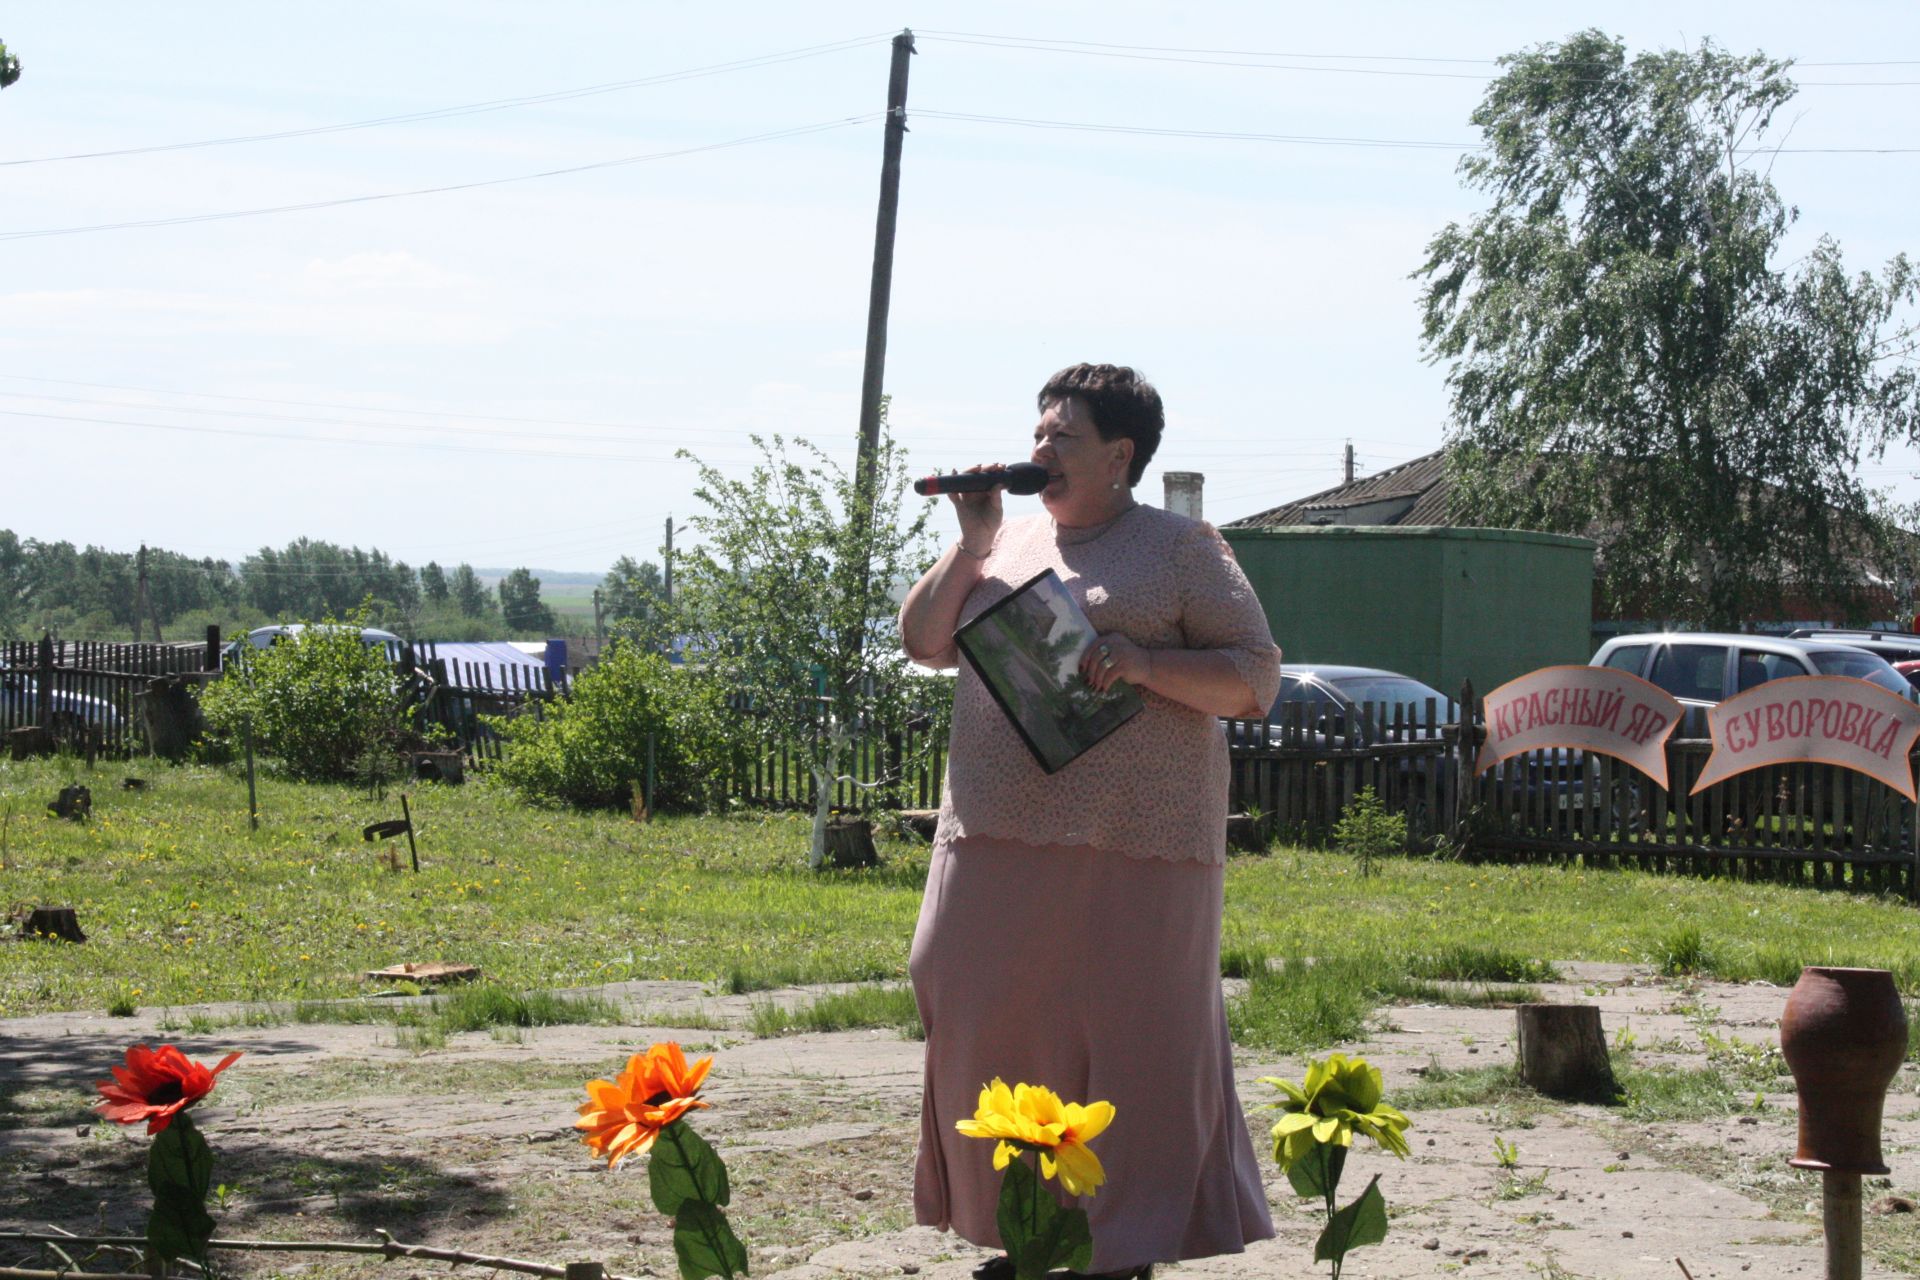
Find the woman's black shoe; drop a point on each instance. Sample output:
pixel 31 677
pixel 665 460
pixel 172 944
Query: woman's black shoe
pixel 1138 1273
pixel 995 1268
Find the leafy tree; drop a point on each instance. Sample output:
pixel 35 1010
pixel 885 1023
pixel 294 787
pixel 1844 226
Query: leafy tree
pixel 471 594
pixel 1631 360
pixel 589 749
pixel 433 584
pixel 15 584
pixel 9 66
pixel 632 591
pixel 520 604
pixel 325 706
pixel 782 610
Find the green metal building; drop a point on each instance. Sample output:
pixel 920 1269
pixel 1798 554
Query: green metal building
pixel 1438 603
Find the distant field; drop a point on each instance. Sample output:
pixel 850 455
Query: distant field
pixel 569 600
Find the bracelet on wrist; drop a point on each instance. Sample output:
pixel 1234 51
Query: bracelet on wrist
pixel 977 555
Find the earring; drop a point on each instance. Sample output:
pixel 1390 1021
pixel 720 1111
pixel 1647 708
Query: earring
pixel 1114 485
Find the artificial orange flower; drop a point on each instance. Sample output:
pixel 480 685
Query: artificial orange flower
pixel 156 1085
pixel 1032 1117
pixel 625 1115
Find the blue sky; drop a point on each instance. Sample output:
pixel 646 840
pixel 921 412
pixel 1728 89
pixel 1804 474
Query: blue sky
pixel 502 374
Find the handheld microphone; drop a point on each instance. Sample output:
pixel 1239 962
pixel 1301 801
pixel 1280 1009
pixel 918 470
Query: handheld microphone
pixel 1021 477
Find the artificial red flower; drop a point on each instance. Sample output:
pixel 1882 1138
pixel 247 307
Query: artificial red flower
pixel 623 1117
pixel 156 1085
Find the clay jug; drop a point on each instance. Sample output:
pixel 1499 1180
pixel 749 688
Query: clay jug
pixel 1844 1034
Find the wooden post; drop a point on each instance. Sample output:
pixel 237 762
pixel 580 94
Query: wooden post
pixel 46 680
pixel 1563 1051
pixel 212 661
pixel 253 805
pixel 1840 1216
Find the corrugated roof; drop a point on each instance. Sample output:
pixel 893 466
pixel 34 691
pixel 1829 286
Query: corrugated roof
pixel 1424 480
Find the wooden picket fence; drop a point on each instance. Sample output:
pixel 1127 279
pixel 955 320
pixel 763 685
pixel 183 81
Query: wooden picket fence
pixel 1806 824
pixel 882 767
pixel 83 692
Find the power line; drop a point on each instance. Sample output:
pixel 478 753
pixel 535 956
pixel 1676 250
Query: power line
pixel 1334 57
pixel 184 219
pixel 1223 135
pixel 474 108
pixel 355 442
pixel 1236 59
pixel 255 415
pixel 1219 134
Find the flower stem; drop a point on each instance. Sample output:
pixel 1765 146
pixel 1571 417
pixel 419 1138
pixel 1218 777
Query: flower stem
pixel 719 1248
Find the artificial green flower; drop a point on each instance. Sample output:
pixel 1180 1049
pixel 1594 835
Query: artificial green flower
pixel 1340 1096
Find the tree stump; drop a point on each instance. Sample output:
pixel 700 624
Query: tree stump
pixel 29 741
pixel 1248 833
pixel 1563 1051
pixel 169 717
pixel 919 822
pixel 50 922
pixel 449 767
pixel 75 802
pixel 850 843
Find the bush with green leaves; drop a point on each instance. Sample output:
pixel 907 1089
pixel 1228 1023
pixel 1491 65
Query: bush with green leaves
pixel 1367 831
pixel 323 705
pixel 589 748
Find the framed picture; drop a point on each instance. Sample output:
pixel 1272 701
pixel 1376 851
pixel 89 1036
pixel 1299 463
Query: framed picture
pixel 1026 649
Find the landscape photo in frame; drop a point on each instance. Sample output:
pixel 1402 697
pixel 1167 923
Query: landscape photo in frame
pixel 1026 649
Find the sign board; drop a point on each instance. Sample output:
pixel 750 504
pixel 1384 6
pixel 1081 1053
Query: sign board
pixel 1593 709
pixel 1837 720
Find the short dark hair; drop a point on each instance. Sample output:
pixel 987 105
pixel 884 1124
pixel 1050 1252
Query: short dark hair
pixel 1123 404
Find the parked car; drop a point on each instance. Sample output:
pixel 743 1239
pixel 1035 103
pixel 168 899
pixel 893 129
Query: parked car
pixel 1911 670
pixel 1894 646
pixel 1704 668
pixel 1363 699
pixel 261 637
pixel 20 704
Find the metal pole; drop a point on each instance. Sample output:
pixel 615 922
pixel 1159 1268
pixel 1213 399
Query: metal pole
pixel 413 850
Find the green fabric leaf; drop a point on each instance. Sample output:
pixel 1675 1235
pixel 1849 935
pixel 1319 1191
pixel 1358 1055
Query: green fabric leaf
pixel 1317 1174
pixel 180 1170
pixel 1362 1222
pixel 179 1161
pixel 683 1168
pixel 1037 1233
pixel 704 1243
pixel 178 1227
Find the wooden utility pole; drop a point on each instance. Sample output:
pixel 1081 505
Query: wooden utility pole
pixel 1349 462
pixel 666 571
pixel 879 298
pixel 140 597
pixel 873 376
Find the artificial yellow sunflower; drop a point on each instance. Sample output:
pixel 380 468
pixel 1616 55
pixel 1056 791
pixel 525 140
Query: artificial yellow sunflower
pixel 1339 1097
pixel 1032 1117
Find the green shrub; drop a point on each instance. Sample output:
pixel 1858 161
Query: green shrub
pixel 1367 831
pixel 325 706
pixel 589 749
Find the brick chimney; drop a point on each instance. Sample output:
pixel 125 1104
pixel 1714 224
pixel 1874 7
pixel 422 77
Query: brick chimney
pixel 1183 492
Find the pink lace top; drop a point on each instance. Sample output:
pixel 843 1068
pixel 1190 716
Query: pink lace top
pixel 1157 786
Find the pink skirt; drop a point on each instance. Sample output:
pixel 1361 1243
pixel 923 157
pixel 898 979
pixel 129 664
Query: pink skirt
pixel 1098 976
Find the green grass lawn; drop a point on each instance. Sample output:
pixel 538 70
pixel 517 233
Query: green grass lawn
pixel 183 904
